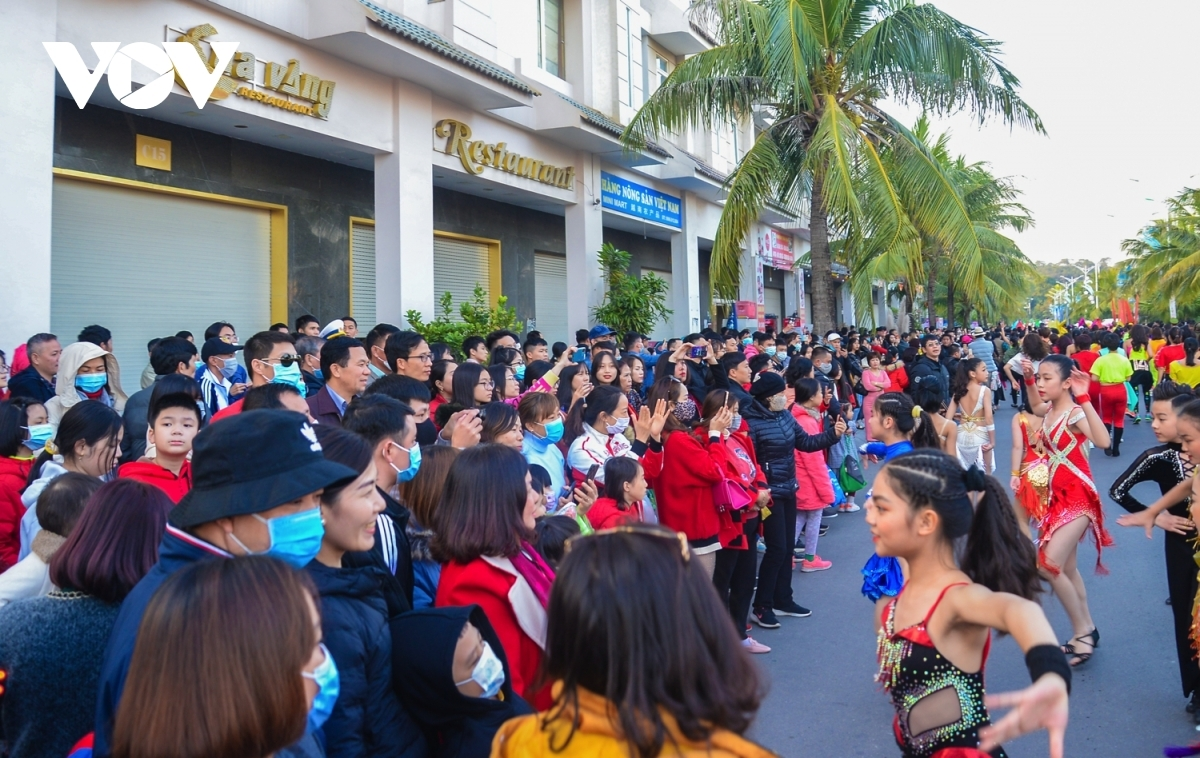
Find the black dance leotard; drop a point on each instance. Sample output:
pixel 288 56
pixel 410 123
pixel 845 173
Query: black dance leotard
pixel 939 707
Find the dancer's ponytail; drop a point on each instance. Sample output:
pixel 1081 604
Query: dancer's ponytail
pixel 997 555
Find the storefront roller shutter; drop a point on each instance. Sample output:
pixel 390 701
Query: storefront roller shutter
pixel 773 302
pixel 663 329
pixel 550 284
pixel 458 265
pixel 146 265
pixel 362 275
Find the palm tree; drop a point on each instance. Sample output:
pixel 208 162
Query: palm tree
pixel 1165 256
pixel 816 72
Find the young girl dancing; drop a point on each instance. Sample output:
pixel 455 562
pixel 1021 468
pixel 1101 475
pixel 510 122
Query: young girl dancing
pixel 1167 465
pixel 898 427
pixel 934 638
pixel 1074 506
pixel 1030 480
pixel 976 427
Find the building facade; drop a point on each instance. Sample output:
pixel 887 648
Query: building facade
pixel 359 157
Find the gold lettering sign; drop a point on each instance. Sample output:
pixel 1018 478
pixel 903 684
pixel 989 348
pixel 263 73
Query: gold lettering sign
pixel 313 95
pixel 476 155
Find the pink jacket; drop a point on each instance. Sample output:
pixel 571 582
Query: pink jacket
pixel 814 490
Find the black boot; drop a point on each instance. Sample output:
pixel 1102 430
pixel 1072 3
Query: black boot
pixel 1118 433
pixel 1108 451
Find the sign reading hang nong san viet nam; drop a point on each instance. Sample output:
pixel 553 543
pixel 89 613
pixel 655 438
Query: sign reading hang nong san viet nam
pixel 314 94
pixel 476 155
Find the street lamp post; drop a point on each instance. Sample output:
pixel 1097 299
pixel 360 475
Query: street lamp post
pixel 1094 271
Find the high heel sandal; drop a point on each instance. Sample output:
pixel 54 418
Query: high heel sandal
pixel 1092 638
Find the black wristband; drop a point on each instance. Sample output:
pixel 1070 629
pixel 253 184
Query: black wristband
pixel 1047 659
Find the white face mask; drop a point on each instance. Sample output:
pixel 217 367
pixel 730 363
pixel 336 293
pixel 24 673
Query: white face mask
pixel 619 427
pixel 778 402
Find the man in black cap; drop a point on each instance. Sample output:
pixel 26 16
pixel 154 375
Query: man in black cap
pixel 777 436
pixel 257 478
pixel 216 382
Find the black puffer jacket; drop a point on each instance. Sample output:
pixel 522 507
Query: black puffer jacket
pixel 367 719
pixel 777 437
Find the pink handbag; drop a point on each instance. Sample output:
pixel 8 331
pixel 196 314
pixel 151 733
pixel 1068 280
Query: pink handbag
pixel 729 494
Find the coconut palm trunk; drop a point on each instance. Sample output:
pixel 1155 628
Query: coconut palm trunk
pixel 824 312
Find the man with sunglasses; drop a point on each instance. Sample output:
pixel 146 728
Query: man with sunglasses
pixel 269 357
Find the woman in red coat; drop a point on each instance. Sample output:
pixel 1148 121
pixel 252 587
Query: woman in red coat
pixel 18 446
pixel 483 533
pixel 690 469
pixel 737 560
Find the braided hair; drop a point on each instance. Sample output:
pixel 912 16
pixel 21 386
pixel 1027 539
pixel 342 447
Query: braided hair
pixel 996 554
pixel 912 421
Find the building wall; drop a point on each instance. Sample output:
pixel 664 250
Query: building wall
pixel 321 196
pixel 521 232
pixel 646 253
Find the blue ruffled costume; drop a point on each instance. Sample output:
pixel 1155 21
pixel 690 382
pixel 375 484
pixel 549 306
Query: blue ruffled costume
pixel 882 576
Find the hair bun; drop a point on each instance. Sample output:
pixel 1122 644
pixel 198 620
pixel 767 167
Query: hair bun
pixel 974 479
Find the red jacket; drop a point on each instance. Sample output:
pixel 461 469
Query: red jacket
pixel 899 379
pixel 232 409
pixel 13 474
pixel 147 472
pixel 489 586
pixel 814 491
pixel 683 488
pixel 741 465
pixel 604 514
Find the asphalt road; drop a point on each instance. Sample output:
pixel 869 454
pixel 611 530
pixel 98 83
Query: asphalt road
pixel 1126 701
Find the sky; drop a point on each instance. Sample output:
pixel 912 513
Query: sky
pixel 1114 84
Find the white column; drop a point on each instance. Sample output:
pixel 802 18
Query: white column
pixel 789 296
pixel 404 210
pixel 27 123
pixel 584 236
pixel 748 288
pixel 685 271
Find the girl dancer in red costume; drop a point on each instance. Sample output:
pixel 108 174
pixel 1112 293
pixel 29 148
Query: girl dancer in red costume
pixel 1074 506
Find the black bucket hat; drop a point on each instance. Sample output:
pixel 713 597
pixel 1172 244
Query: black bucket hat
pixel 253 462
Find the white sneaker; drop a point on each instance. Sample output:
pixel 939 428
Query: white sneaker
pixel 754 646
pixel 849 507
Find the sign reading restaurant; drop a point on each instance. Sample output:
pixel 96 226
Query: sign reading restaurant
pixel 476 155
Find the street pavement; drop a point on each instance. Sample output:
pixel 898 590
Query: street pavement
pixel 1126 701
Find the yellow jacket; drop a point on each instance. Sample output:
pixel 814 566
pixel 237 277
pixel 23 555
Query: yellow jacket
pixel 596 736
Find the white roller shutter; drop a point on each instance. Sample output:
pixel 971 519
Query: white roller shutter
pixel 550 297
pixel 362 275
pixel 663 330
pixel 773 302
pixel 145 264
pixel 458 265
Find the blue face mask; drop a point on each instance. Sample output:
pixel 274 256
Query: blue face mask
pixel 554 430
pixel 414 463
pixel 328 686
pixel 376 372
pixel 747 341
pixel 229 367
pixel 519 372
pixel 488 673
pixel 39 435
pixel 769 350
pixel 295 539
pixel 319 374
pixel 290 375
pixel 91 382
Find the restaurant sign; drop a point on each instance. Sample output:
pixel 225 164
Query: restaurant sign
pixel 476 155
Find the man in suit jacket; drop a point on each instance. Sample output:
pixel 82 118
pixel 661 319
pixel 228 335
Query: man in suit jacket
pixel 346 369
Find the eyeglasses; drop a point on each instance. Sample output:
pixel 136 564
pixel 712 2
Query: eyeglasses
pixel 489 384
pixel 423 357
pixel 685 551
pixel 285 360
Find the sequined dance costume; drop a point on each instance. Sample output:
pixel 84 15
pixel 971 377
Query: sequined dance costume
pixel 973 435
pixel 1033 489
pixel 939 707
pixel 1072 491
